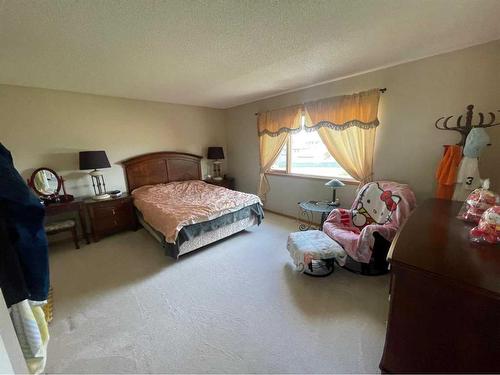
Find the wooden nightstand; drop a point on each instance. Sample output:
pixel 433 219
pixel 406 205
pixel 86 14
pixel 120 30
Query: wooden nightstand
pixel 226 182
pixel 110 216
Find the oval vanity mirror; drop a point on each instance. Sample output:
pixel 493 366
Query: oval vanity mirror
pixel 45 182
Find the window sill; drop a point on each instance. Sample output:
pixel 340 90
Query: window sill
pixel 346 181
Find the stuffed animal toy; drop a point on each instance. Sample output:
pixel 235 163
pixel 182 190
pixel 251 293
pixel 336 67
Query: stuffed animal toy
pixel 477 203
pixel 488 230
pixel 468 177
pixel 475 142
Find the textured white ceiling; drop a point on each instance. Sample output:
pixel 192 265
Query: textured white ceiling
pixel 224 53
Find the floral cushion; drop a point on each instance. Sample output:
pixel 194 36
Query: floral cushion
pixel 310 245
pixel 59 225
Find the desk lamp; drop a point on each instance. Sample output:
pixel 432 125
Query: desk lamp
pixel 95 160
pixel 334 184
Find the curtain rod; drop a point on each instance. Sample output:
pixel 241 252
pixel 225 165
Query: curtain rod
pixel 381 90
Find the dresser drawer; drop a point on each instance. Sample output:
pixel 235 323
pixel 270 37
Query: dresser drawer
pixel 101 211
pixel 111 216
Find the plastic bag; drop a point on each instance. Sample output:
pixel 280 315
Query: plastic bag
pixel 488 230
pixel 476 203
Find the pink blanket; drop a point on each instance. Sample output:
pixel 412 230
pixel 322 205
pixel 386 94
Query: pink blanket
pixel 379 207
pixel 169 207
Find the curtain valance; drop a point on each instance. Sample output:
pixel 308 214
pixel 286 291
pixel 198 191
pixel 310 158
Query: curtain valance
pixel 279 121
pixel 343 112
pixel 352 147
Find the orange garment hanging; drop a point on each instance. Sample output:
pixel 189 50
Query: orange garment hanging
pixel 446 174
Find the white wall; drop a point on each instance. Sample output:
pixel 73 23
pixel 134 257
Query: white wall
pixel 408 147
pixel 48 128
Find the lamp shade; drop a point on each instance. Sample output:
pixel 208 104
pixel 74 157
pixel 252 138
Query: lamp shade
pixel 93 160
pixel 215 153
pixel 335 183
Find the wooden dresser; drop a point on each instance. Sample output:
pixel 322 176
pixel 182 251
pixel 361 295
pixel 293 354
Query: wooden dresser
pixel 444 312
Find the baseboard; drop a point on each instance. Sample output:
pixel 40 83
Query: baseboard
pixel 313 225
pixel 281 214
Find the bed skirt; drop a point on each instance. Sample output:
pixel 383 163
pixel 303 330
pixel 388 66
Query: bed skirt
pixel 194 236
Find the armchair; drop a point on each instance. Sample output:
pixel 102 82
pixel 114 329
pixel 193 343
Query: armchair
pixel 366 230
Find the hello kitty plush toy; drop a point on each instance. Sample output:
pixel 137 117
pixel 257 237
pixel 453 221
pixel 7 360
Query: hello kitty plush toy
pixel 375 206
pixel 488 229
pixel 478 202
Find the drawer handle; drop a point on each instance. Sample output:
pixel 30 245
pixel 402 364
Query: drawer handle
pixel 114 213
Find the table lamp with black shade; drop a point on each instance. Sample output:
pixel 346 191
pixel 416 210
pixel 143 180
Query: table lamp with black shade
pixel 96 160
pixel 334 184
pixel 216 154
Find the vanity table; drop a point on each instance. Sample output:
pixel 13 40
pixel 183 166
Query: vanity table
pixel 49 186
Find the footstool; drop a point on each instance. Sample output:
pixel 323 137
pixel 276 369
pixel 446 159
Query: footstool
pixel 314 253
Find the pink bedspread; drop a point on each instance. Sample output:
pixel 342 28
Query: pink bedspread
pixel 169 207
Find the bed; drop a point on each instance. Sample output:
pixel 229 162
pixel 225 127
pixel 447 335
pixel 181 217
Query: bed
pixel 180 210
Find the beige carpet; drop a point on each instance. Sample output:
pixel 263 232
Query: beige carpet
pixel 237 306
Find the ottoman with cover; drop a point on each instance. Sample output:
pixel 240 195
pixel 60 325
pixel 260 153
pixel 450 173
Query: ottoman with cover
pixel 314 253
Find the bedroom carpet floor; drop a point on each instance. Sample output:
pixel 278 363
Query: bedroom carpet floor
pixel 236 306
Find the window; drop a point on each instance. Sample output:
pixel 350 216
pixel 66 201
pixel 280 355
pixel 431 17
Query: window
pixel 308 156
pixel 280 163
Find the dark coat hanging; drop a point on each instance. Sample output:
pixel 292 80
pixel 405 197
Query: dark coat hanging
pixel 23 246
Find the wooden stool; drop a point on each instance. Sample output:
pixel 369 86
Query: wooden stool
pixel 63 226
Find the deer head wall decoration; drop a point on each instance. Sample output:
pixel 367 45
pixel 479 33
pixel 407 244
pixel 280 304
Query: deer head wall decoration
pixel 464 129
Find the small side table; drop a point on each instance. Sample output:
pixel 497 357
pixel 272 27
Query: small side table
pixel 309 208
pixel 110 216
pixel 226 182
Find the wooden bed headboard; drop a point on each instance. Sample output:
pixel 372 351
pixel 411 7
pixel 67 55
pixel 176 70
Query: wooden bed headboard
pixel 160 168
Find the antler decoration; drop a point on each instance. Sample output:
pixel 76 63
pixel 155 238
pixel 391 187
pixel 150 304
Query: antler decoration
pixel 464 129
